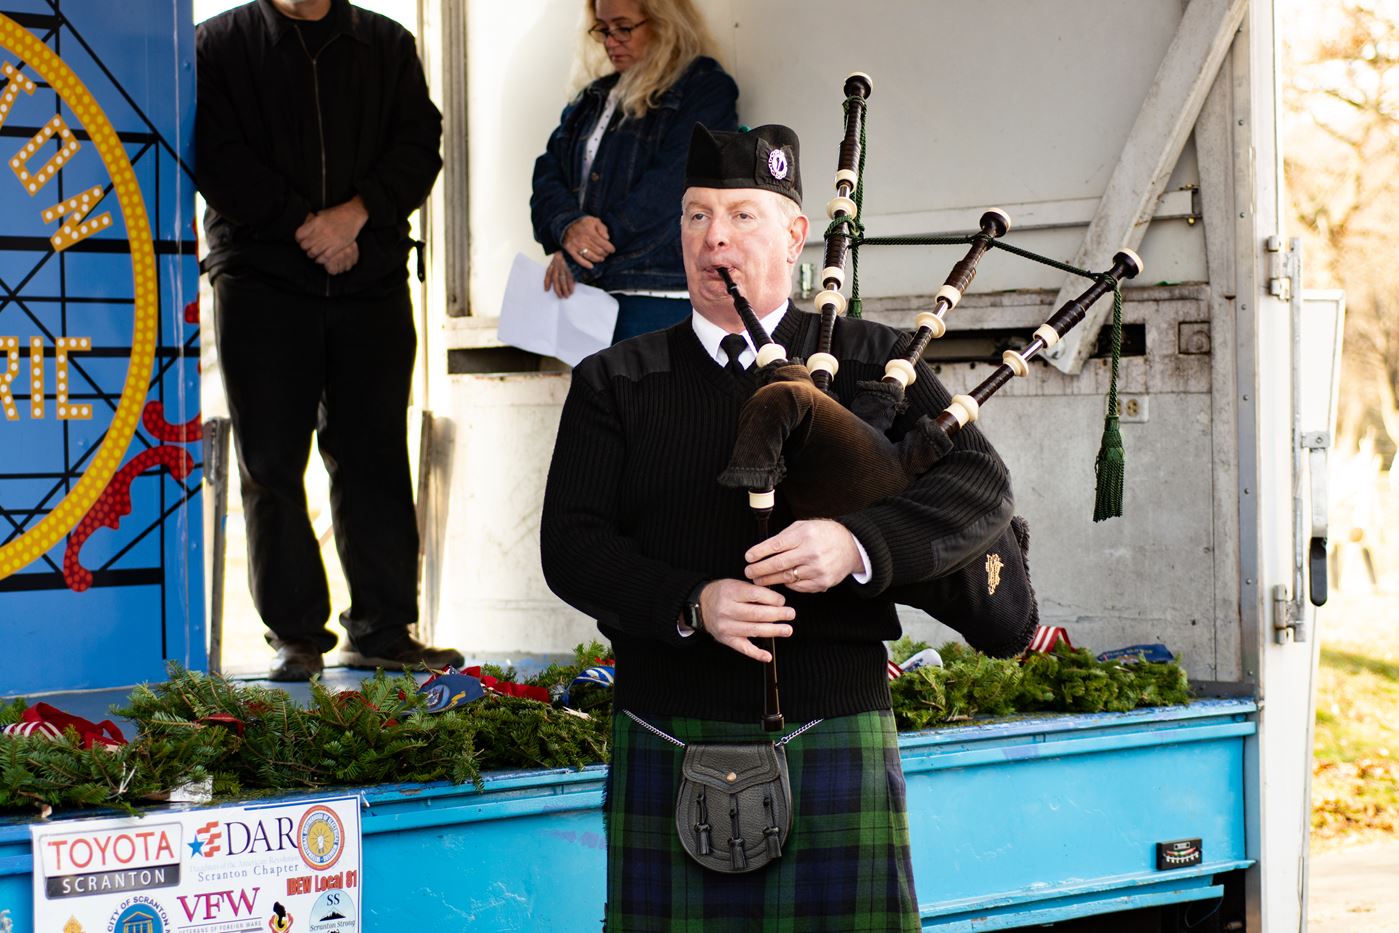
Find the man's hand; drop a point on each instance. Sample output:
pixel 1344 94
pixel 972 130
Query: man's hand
pixel 806 557
pixel 588 241
pixel 558 277
pixel 329 231
pixel 342 261
pixel 735 612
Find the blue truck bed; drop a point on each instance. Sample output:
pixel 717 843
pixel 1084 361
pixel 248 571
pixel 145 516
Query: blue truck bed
pixel 1014 822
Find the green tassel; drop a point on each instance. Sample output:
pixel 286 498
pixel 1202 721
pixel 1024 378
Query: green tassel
pixel 853 308
pixel 1111 471
pixel 1111 464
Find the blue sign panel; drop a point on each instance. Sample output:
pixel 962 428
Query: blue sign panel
pixel 100 525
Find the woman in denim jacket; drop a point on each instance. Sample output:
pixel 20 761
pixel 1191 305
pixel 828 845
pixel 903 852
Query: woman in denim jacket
pixel 606 201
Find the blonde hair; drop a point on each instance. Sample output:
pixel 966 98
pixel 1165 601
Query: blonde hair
pixel 678 36
pixel 787 208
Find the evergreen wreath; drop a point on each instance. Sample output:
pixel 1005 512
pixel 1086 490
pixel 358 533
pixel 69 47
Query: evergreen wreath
pixel 243 740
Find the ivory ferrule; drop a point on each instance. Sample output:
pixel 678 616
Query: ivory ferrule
pixel 964 408
pixel 848 176
pixel 822 363
pixel 830 297
pixel 1049 335
pixel 1132 256
pixel 1005 218
pixel 762 499
pixel 1016 362
pixel 951 294
pixel 901 371
pixel 771 352
pixel 936 325
pixel 833 277
pixel 841 206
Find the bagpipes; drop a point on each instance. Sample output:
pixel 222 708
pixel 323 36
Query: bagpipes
pixel 831 460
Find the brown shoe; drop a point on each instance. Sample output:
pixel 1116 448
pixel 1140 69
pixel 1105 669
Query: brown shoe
pixel 296 661
pixel 403 651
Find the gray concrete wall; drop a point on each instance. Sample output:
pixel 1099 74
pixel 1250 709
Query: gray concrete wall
pixel 1153 575
pixel 1165 571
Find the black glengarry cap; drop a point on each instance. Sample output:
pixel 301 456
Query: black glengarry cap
pixel 764 157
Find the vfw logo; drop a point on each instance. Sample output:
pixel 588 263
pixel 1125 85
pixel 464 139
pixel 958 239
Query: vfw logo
pixel 211 906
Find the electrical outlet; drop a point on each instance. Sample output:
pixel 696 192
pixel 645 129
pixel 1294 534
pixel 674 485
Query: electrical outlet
pixel 1133 408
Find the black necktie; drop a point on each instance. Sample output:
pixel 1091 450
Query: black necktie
pixel 734 345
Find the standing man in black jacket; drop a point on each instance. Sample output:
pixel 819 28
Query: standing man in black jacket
pixel 315 140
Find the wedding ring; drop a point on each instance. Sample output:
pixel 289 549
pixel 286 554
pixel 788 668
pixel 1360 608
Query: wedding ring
pixel 795 576
pixel 583 251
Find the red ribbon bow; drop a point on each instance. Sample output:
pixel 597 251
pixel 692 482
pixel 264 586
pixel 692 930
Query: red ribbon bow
pixel 99 733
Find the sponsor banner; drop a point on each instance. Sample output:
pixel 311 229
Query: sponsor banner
pixel 282 867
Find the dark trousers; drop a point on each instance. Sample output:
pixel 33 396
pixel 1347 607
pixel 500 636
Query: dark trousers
pixel 341 369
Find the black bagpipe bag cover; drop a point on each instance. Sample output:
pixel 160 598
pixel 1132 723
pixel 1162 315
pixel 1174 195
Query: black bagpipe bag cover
pixel 829 461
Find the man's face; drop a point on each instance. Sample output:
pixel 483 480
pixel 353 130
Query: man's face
pixel 747 231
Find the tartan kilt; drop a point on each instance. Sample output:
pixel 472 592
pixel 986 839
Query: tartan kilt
pixel 845 866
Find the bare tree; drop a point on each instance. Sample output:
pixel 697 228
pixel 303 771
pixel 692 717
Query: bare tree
pixel 1342 170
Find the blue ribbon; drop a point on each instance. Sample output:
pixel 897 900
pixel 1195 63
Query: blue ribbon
pixel 602 675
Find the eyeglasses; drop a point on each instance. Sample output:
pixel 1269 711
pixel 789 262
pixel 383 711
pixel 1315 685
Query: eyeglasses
pixel 621 33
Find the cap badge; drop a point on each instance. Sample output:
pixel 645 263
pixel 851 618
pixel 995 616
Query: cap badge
pixel 777 164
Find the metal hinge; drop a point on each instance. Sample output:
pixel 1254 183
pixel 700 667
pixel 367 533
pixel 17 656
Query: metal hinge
pixel 1284 615
pixel 1279 271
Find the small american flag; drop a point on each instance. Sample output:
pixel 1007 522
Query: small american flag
pixel 1047 638
pixel 46 729
pixel 895 672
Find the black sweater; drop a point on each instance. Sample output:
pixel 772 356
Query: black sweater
pixel 634 519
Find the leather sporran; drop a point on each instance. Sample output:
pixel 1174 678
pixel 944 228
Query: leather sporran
pixel 734 811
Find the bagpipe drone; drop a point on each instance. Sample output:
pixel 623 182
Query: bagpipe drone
pixel 792 432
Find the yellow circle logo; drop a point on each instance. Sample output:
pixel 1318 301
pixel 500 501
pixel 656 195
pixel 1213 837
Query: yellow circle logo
pixel 321 836
pixel 77 222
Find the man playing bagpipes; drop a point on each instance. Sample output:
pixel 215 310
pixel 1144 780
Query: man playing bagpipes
pixel 712 819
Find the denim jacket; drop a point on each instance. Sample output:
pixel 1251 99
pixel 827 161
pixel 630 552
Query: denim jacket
pixel 637 177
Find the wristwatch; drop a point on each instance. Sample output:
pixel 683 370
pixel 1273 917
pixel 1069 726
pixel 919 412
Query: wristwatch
pixel 691 614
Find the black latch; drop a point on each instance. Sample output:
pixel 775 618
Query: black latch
pixel 1316 571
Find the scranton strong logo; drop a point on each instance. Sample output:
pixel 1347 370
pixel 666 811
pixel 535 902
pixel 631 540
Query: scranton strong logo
pixel 75 136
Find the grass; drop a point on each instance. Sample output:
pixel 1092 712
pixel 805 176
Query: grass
pixel 1355 785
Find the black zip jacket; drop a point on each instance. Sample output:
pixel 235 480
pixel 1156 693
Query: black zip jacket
pixel 283 129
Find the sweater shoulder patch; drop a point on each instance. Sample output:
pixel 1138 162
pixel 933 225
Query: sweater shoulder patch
pixel 631 360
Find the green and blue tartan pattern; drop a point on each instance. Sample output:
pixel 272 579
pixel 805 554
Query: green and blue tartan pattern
pixel 846 865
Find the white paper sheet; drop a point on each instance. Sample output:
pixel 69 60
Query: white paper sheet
pixel 537 320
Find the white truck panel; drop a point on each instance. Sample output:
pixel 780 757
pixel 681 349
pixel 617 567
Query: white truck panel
pixel 1017 104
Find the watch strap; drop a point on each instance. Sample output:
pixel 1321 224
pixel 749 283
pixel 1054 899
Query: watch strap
pixel 694 618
